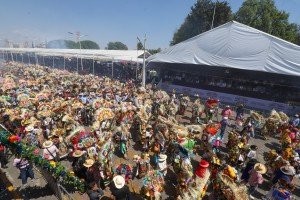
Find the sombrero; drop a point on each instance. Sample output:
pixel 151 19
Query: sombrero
pixel 47 144
pixel 260 168
pixel 288 170
pixel 77 153
pixel 119 181
pixel 88 163
pixel 162 157
pixel 29 128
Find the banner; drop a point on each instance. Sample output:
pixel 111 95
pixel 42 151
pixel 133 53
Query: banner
pixel 251 103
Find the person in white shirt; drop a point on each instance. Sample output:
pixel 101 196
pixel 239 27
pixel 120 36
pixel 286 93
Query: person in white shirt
pixel 50 151
pixel 162 164
pixel 252 153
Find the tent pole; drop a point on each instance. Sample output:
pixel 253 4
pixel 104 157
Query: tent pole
pixel 93 65
pixel 144 63
pixel 112 69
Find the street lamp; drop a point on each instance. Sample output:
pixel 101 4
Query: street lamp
pixel 78 36
pixel 144 61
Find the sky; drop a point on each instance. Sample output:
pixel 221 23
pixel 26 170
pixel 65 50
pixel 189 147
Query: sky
pixel 104 20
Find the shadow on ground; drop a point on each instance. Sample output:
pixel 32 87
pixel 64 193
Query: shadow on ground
pixel 36 192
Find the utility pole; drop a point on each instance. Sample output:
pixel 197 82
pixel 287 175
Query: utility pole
pixel 78 36
pixel 144 63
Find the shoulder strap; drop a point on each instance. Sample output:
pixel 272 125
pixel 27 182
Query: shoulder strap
pixel 50 153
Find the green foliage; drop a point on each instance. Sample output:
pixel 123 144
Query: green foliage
pixel 200 18
pixel 260 14
pixel 154 51
pixel 62 44
pixel 88 44
pixel 58 171
pixel 298 35
pixel 264 15
pixel 69 44
pixel 140 46
pixel 116 46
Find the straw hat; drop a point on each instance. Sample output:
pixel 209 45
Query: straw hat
pixel 288 170
pixel 77 153
pixel 88 163
pixel 145 155
pixel 136 157
pixel 119 181
pixel 29 128
pixel 162 157
pixel 260 168
pixel 47 144
pixel 148 126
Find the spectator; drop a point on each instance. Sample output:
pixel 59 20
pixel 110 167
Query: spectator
pixel 50 151
pixel 25 169
pixel 295 121
pixel 94 192
pixel 119 189
pixel 256 177
pixel 226 112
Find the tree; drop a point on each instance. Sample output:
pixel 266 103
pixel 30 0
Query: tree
pixel 298 35
pixel 200 18
pixel 140 46
pixel 62 44
pixel 88 44
pixel 264 15
pixel 154 51
pixel 116 46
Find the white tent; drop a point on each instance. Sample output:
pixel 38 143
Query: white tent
pixel 235 45
pixel 121 55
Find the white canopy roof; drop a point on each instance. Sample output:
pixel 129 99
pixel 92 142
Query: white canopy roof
pixel 235 45
pixel 121 55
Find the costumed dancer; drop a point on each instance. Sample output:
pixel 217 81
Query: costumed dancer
pixel 196 110
pixel 202 175
pixel 211 106
pixel 142 164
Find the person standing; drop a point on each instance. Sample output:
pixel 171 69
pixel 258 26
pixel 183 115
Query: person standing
pixel 249 166
pixel 256 177
pixel 295 121
pixel 239 111
pixel 226 112
pixel 25 169
pixel 50 151
pixel 95 193
pixel 224 124
pixel 119 190
pixel 162 164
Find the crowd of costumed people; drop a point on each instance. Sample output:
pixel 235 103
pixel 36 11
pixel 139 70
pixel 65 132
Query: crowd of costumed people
pixel 97 135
